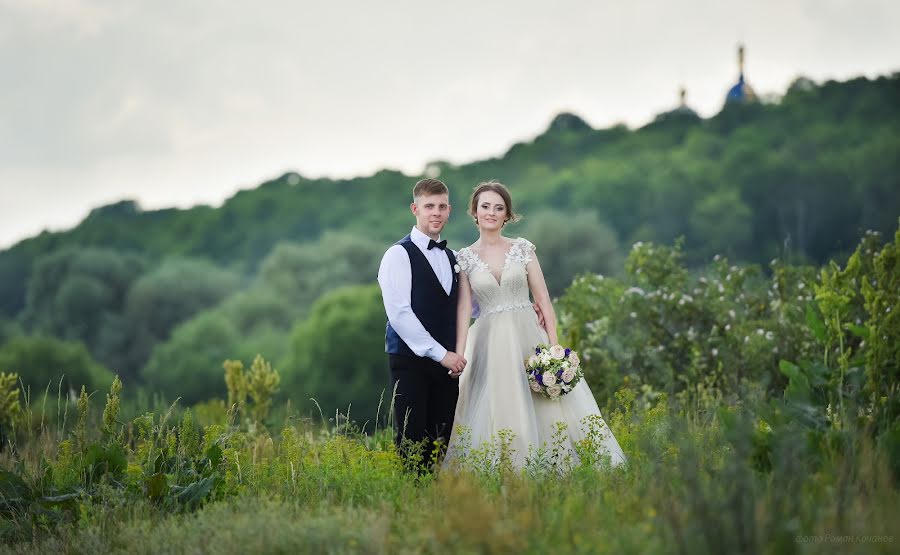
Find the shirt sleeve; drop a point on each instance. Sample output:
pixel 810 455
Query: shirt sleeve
pixel 395 279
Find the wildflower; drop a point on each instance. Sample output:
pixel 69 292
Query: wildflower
pixel 721 288
pixel 635 290
pixel 633 314
pixel 801 286
pixel 727 327
pixel 760 331
pixel 770 335
pixel 731 313
pixel 715 352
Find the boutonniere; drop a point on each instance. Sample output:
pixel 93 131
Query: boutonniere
pixel 456 268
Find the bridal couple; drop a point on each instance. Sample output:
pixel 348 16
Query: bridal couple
pixel 462 385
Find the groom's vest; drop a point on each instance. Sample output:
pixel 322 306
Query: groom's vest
pixel 430 303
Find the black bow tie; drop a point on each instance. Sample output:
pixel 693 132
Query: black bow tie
pixel 439 244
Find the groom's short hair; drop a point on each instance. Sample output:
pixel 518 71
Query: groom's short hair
pixel 428 187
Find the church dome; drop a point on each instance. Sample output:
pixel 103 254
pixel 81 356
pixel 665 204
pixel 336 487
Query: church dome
pixel 741 91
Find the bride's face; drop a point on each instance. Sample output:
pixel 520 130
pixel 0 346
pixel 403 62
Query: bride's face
pixel 491 213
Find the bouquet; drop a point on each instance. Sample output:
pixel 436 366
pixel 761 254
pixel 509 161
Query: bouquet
pixel 553 371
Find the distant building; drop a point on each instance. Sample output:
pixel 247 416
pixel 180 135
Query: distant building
pixel 741 92
pixel 680 113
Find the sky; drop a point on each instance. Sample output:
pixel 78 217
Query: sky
pixel 183 103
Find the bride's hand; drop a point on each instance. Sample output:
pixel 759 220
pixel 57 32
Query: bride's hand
pixel 454 363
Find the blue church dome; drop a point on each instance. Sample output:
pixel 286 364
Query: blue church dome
pixel 741 91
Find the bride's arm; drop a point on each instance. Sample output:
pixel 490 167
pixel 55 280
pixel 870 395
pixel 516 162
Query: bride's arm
pixel 541 296
pixel 463 313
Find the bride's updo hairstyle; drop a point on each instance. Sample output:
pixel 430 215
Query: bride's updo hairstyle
pixel 496 187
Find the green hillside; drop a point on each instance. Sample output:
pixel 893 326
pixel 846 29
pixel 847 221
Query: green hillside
pixel 800 179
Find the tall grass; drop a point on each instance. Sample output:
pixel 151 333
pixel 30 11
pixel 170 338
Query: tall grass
pixel 697 481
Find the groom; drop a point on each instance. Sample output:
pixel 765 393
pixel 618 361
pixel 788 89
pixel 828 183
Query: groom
pixel 419 282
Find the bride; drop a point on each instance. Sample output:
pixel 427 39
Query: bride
pixel 494 396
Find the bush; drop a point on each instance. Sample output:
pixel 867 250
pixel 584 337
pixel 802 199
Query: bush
pixel 44 361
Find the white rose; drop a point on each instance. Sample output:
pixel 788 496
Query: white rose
pixel 456 268
pixel 554 391
pixel 573 359
pixel 549 378
pixel 557 352
pixel 536 387
pixel 568 375
pixel 532 360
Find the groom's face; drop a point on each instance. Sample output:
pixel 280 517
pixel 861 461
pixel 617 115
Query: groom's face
pixel 431 213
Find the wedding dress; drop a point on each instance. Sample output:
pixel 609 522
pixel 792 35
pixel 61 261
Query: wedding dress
pixel 494 394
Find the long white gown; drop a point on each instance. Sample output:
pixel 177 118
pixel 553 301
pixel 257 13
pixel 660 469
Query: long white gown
pixel 493 390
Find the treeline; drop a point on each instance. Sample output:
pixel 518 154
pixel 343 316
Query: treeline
pixel 163 297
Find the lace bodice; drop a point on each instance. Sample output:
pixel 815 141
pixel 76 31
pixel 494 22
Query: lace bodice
pixel 511 292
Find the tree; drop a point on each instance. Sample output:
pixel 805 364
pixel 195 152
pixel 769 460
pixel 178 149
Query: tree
pixel 570 244
pixel 189 364
pixel 169 295
pixel 78 295
pixel 337 354
pixel 722 223
pixel 301 273
pixel 42 361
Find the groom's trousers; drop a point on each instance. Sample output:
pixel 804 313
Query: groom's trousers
pixel 424 401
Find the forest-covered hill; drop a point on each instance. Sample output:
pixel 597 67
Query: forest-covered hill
pixel 138 291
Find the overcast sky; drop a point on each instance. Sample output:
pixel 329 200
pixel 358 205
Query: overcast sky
pixel 178 103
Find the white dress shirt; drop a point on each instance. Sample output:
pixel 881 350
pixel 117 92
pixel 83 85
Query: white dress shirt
pixel 395 279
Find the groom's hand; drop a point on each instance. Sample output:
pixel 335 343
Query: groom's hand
pixel 454 363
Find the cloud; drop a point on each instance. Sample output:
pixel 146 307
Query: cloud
pixel 81 18
pixel 181 102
